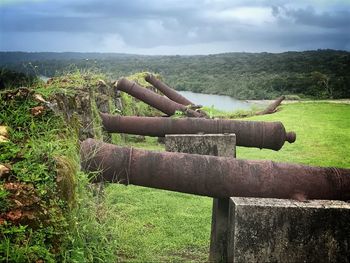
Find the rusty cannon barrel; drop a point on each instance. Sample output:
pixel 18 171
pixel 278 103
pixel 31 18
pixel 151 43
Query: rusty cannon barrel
pixel 212 176
pixel 167 91
pixel 159 102
pixel 269 135
pixel 272 107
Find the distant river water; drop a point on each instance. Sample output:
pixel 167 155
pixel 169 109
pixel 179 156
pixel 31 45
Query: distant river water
pixel 44 78
pixel 220 102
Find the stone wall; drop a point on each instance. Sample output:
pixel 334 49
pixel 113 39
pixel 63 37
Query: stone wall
pixel 80 106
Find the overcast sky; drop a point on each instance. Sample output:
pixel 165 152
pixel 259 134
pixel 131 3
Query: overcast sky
pixel 174 27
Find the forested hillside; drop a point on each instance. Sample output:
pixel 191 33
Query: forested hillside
pixel 313 74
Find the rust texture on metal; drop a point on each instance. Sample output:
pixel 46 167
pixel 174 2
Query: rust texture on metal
pixel 272 107
pixel 269 135
pixel 159 102
pixel 167 91
pixel 206 175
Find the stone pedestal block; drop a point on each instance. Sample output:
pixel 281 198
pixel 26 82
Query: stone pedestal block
pixel 278 230
pixel 216 145
pixel 205 144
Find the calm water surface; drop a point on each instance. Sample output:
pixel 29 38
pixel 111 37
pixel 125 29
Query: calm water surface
pixel 44 78
pixel 220 102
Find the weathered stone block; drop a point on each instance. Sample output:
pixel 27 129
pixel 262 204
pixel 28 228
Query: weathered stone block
pixel 83 106
pixel 216 145
pixel 278 230
pixel 205 144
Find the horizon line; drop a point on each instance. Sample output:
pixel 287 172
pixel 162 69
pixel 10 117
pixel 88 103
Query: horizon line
pixel 207 54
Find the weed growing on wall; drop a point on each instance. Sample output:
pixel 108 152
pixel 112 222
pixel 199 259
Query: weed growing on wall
pixel 32 222
pixel 48 212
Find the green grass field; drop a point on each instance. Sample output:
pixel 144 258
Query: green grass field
pixel 156 226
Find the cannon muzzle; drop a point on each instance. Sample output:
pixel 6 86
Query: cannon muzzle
pixel 212 176
pixel 269 135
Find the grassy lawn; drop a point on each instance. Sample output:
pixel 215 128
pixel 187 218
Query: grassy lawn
pixel 157 226
pixel 323 135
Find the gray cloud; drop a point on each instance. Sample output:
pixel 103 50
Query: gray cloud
pixel 157 26
pixel 309 16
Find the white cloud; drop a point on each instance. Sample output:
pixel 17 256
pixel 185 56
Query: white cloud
pixel 247 15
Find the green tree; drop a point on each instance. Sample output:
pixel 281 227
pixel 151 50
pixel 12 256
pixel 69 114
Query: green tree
pixel 322 81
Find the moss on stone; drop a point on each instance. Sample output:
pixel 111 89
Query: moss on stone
pixel 66 170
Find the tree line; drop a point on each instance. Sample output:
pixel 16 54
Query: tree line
pixel 314 74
